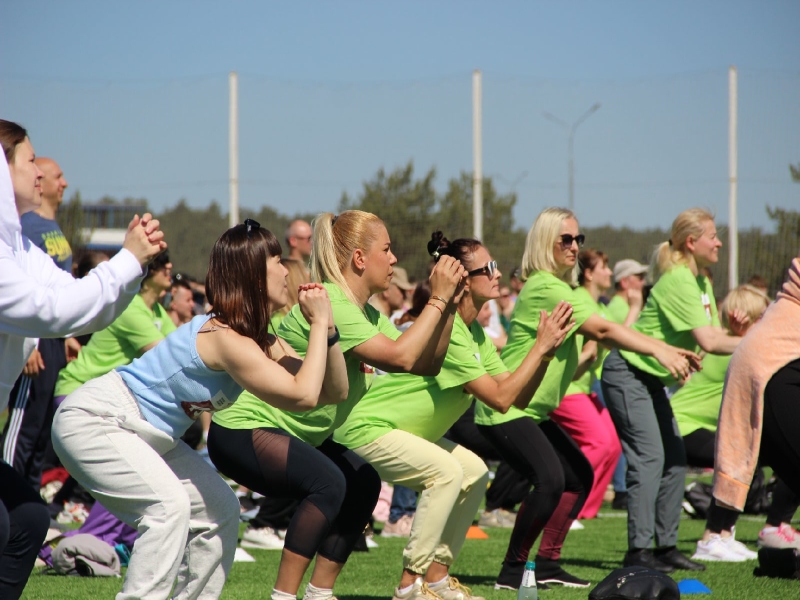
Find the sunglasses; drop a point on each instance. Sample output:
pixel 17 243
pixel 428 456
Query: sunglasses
pixel 567 239
pixel 251 225
pixel 489 269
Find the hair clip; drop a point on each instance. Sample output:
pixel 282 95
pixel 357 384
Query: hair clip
pixel 333 220
pixel 436 254
pixel 669 241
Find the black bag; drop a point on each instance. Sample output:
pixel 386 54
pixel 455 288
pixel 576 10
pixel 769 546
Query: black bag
pixel 778 562
pixel 636 583
pixel 698 499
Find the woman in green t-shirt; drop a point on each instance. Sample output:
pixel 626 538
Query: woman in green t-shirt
pixel 581 413
pixel 680 311
pixel 532 444
pixel 285 454
pixel 398 426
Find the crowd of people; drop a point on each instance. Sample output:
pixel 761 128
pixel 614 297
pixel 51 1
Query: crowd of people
pixel 316 379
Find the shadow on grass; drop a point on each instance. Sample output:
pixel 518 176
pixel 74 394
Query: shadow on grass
pixel 473 580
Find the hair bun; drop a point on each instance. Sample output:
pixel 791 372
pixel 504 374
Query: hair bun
pixel 437 243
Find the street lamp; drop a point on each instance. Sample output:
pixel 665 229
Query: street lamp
pixel 570 154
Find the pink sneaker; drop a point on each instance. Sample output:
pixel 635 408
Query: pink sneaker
pixel 784 536
pixel 400 529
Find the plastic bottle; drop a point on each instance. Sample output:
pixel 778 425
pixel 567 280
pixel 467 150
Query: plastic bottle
pixel 528 590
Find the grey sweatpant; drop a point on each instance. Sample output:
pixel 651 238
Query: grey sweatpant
pixel 186 515
pixel 654 449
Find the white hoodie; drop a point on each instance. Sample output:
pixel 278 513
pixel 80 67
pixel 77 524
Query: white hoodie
pixel 39 300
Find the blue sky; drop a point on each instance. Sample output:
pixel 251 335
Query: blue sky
pixel 131 99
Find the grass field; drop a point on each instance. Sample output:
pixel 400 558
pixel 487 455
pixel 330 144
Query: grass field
pixel 590 553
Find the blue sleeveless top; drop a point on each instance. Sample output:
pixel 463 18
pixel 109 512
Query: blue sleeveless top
pixel 173 385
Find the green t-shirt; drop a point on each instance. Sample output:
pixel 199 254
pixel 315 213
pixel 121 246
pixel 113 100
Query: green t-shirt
pixel 425 406
pixel 542 291
pixel 275 321
pixel 696 404
pixel 583 385
pixel 617 309
pixel 116 345
pixel 678 303
pixel 314 426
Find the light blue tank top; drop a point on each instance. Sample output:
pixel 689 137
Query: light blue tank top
pixel 173 385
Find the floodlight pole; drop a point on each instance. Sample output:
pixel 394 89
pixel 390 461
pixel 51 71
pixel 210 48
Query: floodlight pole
pixel 233 149
pixel 477 158
pixel 733 160
pixel 570 145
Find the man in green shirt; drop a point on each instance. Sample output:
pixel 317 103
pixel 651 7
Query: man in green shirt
pixel 140 327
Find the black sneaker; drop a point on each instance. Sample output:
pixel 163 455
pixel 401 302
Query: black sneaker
pixel 673 557
pixel 620 501
pixel 643 557
pixel 510 577
pixel 550 571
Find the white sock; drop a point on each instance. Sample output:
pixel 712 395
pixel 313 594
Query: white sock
pixel 279 595
pixel 315 593
pixel 439 583
pixel 405 590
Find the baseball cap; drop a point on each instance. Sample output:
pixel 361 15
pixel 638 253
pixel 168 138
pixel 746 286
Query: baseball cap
pixel 400 278
pixel 626 268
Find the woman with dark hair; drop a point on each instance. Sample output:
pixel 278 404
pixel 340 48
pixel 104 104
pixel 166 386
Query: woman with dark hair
pixel 38 299
pixel 290 454
pixel 135 463
pixel 398 426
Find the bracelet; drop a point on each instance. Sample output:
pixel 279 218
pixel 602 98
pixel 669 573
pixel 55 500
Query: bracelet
pixel 434 297
pixel 334 338
pixel 548 358
pixel 434 306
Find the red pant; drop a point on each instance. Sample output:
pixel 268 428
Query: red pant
pixel 587 422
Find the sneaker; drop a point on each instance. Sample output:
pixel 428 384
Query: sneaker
pixel 739 547
pixel 550 571
pixel 400 529
pixel 74 512
pixel 418 591
pixel 510 577
pixel 716 549
pixel 784 536
pixel 451 589
pixel 576 525
pixel 497 518
pixel 263 538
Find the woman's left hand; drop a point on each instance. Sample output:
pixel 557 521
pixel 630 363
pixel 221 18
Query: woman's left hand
pixel 738 321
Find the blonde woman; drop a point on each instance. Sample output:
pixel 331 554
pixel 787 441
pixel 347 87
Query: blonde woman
pixel 681 311
pixel 528 440
pixel 289 454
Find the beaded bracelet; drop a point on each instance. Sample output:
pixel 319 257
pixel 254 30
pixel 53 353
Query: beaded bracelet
pixel 547 358
pixel 434 297
pixel 434 306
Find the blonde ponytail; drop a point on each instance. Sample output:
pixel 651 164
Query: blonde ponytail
pixel 335 239
pixel 672 253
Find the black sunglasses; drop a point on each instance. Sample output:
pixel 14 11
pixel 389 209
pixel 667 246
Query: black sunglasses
pixel 251 225
pixel 489 269
pixel 567 239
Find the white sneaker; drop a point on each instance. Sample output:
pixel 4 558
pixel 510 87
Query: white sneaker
pixel 717 549
pixel 419 591
pixel 739 547
pixel 576 525
pixel 263 538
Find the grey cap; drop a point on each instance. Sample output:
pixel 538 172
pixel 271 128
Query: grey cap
pixel 626 268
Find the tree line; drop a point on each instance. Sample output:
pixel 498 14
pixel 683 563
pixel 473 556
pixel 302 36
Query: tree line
pixel 412 209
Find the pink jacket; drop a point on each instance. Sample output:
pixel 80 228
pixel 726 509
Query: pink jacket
pixel 771 344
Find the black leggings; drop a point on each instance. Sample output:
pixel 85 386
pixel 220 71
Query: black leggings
pixel 561 477
pixel 508 487
pixel 780 436
pixel 23 525
pixel 336 489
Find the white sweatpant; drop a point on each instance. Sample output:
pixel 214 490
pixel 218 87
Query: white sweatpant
pixel 186 515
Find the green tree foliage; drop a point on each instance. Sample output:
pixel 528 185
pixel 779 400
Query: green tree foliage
pixel 795 172
pixel 72 220
pixel 407 207
pixel 190 233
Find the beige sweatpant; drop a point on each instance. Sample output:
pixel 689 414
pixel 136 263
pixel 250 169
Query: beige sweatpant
pixel 451 481
pixel 186 515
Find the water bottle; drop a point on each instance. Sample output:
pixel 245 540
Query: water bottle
pixel 527 590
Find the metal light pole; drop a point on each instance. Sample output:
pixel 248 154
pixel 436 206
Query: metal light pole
pixel 570 153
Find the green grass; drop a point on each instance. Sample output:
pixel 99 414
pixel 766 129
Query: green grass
pixel 591 553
